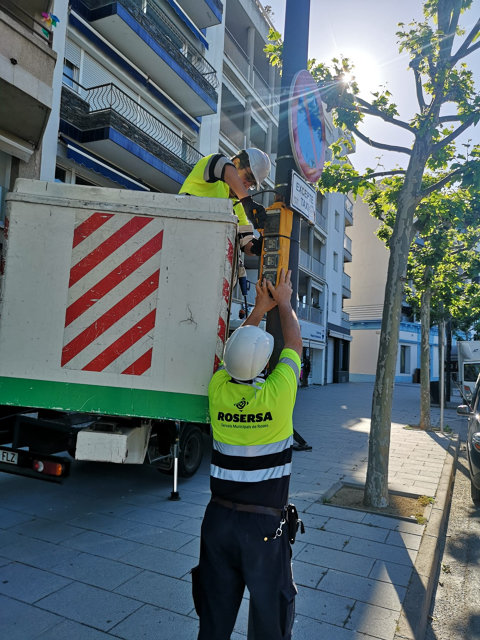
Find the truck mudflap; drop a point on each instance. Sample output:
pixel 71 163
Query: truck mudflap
pixel 34 464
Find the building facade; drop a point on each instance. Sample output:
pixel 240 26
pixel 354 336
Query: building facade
pixel 368 273
pixel 27 63
pixel 140 91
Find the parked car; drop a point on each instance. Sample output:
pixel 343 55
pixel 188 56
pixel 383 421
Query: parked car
pixel 472 411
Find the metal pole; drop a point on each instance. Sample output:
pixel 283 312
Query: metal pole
pixel 294 59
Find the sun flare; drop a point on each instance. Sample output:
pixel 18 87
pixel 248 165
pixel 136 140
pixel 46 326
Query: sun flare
pixel 366 71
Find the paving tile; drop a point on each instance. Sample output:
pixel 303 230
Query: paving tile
pixel 374 621
pixel 191 526
pixel 395 524
pixel 149 516
pixel 333 559
pixel 10 518
pixel 101 544
pixel 159 537
pixel 74 631
pixel 357 530
pixel 381 551
pixel 364 589
pixel 47 530
pixel 325 538
pixel 152 623
pixel 37 552
pixel 391 572
pixel 402 539
pixel 350 515
pixel 323 606
pixel 161 591
pixel 103 524
pixel 162 561
pixel 89 605
pixel 307 575
pixel 20 621
pixel 99 572
pixel 309 629
pixel 27 583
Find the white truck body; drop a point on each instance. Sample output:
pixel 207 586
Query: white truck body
pixel 468 365
pixel 115 303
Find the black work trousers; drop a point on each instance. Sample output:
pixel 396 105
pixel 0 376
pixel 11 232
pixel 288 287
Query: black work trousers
pixel 234 554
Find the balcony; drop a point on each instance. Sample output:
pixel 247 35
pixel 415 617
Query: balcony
pixel 321 220
pixel 27 63
pixel 309 313
pixel 145 34
pixel 347 249
pixel 348 212
pixel 346 290
pixel 251 75
pixel 310 264
pixel 114 126
pixel 205 13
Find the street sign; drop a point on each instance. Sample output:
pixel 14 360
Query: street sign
pixel 307 126
pixel 303 197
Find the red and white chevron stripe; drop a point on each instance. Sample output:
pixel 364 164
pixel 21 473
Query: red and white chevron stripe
pixel 112 295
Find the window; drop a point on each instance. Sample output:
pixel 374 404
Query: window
pixel 335 261
pixel 334 301
pixel 404 359
pixel 70 73
pixel 337 221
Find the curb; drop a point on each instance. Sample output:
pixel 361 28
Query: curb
pixel 412 623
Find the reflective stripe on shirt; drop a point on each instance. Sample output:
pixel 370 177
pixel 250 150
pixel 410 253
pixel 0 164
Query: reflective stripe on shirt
pixel 292 364
pixel 252 450
pixel 259 475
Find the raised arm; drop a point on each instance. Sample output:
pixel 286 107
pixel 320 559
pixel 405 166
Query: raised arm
pixel 282 294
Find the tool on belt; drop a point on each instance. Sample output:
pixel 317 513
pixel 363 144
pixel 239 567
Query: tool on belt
pixel 293 522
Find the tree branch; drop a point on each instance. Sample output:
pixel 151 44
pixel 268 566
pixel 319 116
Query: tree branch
pixel 419 89
pixel 373 111
pixel 440 145
pixel 464 48
pixel 379 145
pixel 449 119
pixel 441 183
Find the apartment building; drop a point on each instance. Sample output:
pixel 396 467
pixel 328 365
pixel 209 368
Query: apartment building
pixel 368 273
pixel 133 89
pixel 142 89
pixel 27 62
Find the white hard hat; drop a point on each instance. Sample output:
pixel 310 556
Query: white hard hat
pixel 247 352
pixel 259 164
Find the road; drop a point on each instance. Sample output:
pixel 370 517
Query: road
pixel 455 613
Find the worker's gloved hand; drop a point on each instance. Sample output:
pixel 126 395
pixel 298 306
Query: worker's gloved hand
pixel 256 247
pixel 255 212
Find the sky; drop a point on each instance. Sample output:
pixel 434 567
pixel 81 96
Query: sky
pixel 365 32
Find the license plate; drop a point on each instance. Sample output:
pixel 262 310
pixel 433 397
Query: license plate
pixel 8 456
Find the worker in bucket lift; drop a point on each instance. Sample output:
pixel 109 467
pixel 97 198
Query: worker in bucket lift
pixel 216 176
pixel 248 526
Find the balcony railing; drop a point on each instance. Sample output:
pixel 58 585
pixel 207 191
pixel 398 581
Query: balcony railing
pixel 321 220
pixel 308 262
pixel 309 313
pixel 236 54
pixel 109 96
pixel 346 280
pixel 18 14
pixel 150 10
pixel 347 243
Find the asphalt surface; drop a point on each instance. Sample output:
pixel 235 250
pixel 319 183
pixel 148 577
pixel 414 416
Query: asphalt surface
pixel 107 555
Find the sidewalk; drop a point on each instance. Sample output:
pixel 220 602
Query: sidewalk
pixel 106 555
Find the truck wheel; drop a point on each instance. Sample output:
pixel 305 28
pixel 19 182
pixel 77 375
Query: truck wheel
pixel 191 450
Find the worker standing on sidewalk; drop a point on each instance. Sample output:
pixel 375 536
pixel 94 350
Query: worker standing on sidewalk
pixel 245 536
pixel 216 176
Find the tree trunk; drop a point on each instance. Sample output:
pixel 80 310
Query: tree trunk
pixel 376 485
pixel 425 360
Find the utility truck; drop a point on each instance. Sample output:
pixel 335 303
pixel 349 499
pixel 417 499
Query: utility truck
pixel 114 310
pixel 468 366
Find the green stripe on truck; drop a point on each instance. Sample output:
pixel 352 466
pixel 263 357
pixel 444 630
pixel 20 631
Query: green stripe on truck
pixel 87 398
